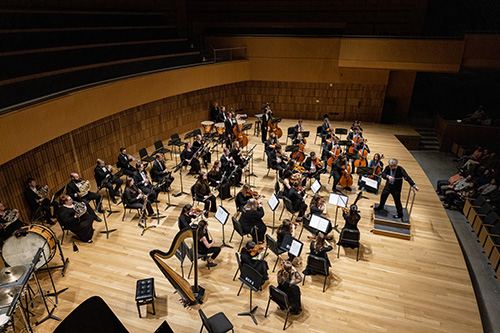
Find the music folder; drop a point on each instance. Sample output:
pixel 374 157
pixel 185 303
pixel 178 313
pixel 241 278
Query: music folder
pixel 316 186
pixel 273 202
pixel 292 245
pixel 339 200
pixel 222 215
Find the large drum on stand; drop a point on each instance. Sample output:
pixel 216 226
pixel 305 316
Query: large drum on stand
pixel 207 126
pixel 21 250
pixel 221 129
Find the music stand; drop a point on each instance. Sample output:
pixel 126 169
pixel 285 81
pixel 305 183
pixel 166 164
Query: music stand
pixel 292 148
pixel 189 135
pixel 338 200
pixel 319 223
pixel 103 185
pixel 222 215
pixel 316 186
pixel 341 131
pixel 273 204
pixel 345 143
pixel 178 167
pixel 305 134
pixel 292 245
pixel 154 188
pixel 368 182
pixel 352 156
pixel 250 156
pixel 251 278
pixel 107 231
pixel 234 185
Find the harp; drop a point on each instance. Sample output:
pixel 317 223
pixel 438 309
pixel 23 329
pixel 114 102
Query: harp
pixel 191 295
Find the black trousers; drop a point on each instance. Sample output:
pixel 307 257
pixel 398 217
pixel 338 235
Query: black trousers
pixel 92 196
pixel 214 250
pixel 210 203
pixel 264 132
pixel 113 191
pixel 396 195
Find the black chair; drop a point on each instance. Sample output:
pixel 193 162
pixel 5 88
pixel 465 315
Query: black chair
pixel 145 294
pixel 195 199
pixel 159 148
pixel 318 133
pixel 237 227
pixel 316 266
pixel 290 135
pixel 125 207
pixel 145 158
pixel 273 246
pixel 218 323
pixel 288 205
pixel 280 298
pixel 64 230
pixel 349 238
pixel 175 140
pixel 238 261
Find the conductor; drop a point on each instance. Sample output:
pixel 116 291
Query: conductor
pixel 394 175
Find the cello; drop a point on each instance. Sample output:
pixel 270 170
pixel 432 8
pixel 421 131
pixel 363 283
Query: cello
pixel 238 134
pixel 334 155
pixel 346 178
pixel 363 153
pixel 299 154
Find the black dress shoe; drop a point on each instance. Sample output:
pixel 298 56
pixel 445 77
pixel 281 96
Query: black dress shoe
pixel 379 208
pixel 97 219
pixel 397 216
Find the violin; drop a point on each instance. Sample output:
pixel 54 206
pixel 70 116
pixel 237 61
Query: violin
pixel 254 194
pixel 282 156
pixel 318 163
pixel 299 168
pixel 259 248
pixel 196 212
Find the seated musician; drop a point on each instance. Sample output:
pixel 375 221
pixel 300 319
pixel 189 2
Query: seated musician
pixel 297 196
pixel 215 174
pixel 255 259
pixel 337 168
pixel 9 222
pixel 73 190
pixel 355 136
pixel 188 158
pixel 229 124
pixel 317 206
pixel 251 221
pixel 204 153
pixel 286 228
pixel 298 129
pixel 102 173
pixel 134 198
pixel 123 163
pixel 160 174
pixel 202 192
pixel 299 141
pixel 187 217
pixel 242 197
pixel 236 154
pixel 228 166
pixel 351 218
pixel 356 124
pixel 331 148
pixel 36 197
pixel 319 248
pixel 271 143
pixel 143 183
pixel 206 244
pixel 277 159
pixel 81 226
pixel 377 165
pixel 313 166
pixel 289 280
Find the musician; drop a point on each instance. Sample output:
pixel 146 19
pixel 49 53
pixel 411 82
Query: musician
pixel 254 258
pixel 8 223
pixel 189 156
pixel 186 219
pixel 277 159
pixel 32 194
pixel 206 244
pixel 124 160
pixel 160 174
pixel 394 175
pixel 271 143
pixel 143 183
pixel 286 228
pixel 268 115
pixel 356 124
pixel 73 190
pixel 221 117
pixel 320 248
pixel 236 154
pixel 251 221
pixel 228 167
pixel 317 206
pixel 313 165
pixel 298 129
pixel 229 123
pixel 376 164
pixel 331 148
pixel 288 282
pixel 102 173
pixel 214 111
pixel 134 198
pixel 297 196
pixel 325 129
pixel 215 174
pixel 202 192
pixel 242 197
pixel 299 141
pixel 351 218
pixel 81 226
pixel 338 166
pixel 204 152
pixel 355 136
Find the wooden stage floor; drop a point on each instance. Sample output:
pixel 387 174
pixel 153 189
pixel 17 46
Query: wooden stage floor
pixel 416 285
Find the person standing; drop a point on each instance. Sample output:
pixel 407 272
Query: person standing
pixel 394 175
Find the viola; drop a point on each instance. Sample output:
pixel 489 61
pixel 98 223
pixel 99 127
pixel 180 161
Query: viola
pixel 299 168
pixel 318 163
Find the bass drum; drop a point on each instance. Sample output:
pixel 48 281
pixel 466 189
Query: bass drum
pixel 21 250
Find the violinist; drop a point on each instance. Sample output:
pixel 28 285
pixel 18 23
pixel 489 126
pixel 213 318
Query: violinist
pixel 286 228
pixel 351 218
pixel 206 244
pixel 236 154
pixel 268 115
pixel 317 206
pixel 314 166
pixel 337 168
pixel 201 190
pixel 289 280
pixel 215 174
pixel 277 159
pixel 199 143
pixel 243 196
pixel 251 221
pixel 298 129
pixel 253 255
pixel 297 197
pixel 187 217
pixel 189 156
pixel 271 143
pixel 319 248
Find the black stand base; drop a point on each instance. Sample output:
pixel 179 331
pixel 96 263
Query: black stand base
pixel 107 232
pixel 144 225
pixel 251 314
pixel 179 194
pixel 49 316
pixel 55 294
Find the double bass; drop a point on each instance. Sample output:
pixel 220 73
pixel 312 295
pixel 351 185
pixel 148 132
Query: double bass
pixel 346 178
pixel 238 134
pixel 274 128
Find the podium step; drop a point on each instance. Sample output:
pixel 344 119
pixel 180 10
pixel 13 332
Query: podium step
pixel 385 224
pixel 391 231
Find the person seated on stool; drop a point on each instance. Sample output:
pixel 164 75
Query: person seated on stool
pixel 394 175
pixel 206 245
pixel 103 172
pixel 254 260
pixel 202 193
pixel 251 221
pixel 288 282
pixel 134 198
pixel 80 226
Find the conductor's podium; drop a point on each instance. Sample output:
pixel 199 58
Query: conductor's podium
pixel 384 222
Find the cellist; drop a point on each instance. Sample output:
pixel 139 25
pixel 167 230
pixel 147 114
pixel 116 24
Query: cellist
pixel 298 129
pixel 337 170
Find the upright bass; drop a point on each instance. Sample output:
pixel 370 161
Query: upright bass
pixel 238 134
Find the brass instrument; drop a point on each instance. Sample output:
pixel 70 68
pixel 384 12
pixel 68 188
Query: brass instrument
pixel 80 208
pixel 42 192
pixel 11 215
pixel 83 188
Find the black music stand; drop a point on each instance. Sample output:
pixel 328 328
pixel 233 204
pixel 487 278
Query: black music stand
pixel 49 312
pixel 341 131
pixel 189 135
pixel 250 157
pixel 305 134
pixel 154 188
pixel 291 245
pixel 273 203
pixel 222 215
pixel 168 189
pixel 338 200
pixel 178 167
pixel 234 180
pixel 345 143
pixel 143 224
pixel 251 278
pixel 47 268
pixel 107 231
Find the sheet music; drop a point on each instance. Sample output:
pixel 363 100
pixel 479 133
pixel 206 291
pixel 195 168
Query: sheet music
pixel 339 200
pixel 316 186
pixel 319 223
pixel 221 215
pixel 295 248
pixel 369 182
pixel 273 202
